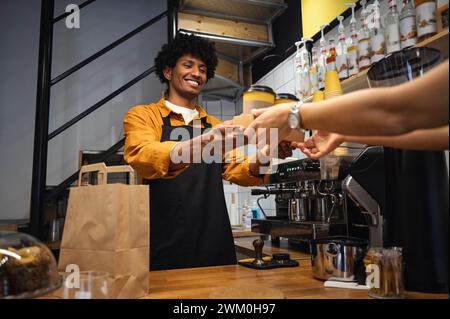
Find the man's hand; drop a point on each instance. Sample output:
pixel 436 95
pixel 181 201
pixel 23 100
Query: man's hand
pixel 320 144
pixel 221 138
pixel 285 150
pixel 280 151
pixel 263 158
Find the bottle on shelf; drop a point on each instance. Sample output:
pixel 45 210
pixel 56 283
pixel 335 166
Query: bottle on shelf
pixel 248 221
pixel 322 66
pixel 352 46
pixel 341 51
pixel 305 56
pixel 426 19
pixel 331 58
pixel 364 40
pixel 313 71
pixel 302 66
pixel 377 39
pixel 306 65
pixel 408 27
pixel 392 23
pixel 298 70
pixel 246 215
pixel 256 213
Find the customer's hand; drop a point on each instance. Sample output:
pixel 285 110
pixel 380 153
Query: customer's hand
pixel 276 117
pixel 320 144
pixel 227 135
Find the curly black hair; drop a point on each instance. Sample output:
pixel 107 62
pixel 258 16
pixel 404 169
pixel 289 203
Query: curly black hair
pixel 186 44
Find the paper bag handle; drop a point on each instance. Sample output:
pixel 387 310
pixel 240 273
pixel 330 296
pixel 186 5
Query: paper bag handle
pixel 122 169
pixel 98 167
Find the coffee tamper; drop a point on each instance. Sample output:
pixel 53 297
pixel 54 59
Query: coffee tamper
pixel 258 244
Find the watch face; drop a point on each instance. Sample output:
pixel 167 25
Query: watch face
pixel 293 121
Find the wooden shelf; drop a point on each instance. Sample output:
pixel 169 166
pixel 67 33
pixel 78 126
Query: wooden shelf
pixel 360 82
pixel 262 11
pixel 439 41
pixel 356 82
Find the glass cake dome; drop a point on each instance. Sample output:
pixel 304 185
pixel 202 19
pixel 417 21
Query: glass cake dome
pixel 28 269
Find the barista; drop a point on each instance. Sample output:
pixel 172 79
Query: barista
pixel 189 223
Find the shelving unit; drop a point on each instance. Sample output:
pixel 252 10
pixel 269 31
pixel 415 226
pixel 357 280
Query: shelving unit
pixel 360 82
pixel 241 31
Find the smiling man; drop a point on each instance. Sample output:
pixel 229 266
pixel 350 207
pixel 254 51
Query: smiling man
pixel 189 223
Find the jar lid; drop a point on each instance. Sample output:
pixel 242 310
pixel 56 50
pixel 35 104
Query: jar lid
pixel 287 96
pixel 260 88
pixel 404 65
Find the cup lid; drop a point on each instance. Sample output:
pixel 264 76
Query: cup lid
pixel 286 96
pixel 260 88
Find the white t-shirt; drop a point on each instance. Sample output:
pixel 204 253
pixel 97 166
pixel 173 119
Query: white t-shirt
pixel 188 114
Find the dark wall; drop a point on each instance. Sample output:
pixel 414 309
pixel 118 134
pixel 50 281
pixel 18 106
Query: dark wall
pixel 287 29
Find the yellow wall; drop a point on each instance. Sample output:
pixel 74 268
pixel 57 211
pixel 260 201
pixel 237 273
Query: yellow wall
pixel 318 12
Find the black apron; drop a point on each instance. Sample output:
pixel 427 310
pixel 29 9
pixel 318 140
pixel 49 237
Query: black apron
pixel 189 223
pixel 417 216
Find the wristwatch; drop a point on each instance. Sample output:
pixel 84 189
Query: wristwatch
pixel 295 118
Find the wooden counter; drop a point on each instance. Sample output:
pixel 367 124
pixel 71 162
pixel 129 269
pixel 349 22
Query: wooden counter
pixel 237 282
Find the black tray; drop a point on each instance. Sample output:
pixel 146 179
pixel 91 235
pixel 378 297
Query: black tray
pixel 270 264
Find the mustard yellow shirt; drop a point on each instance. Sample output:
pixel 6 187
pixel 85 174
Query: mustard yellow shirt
pixel 150 157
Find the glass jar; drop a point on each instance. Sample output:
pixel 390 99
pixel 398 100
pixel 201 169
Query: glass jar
pixel 384 267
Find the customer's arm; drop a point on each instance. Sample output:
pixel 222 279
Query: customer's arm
pixel 419 104
pixel 419 140
pixel 323 143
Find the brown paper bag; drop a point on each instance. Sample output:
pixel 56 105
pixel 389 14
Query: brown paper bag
pixel 107 228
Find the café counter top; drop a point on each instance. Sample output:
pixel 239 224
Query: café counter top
pixel 237 282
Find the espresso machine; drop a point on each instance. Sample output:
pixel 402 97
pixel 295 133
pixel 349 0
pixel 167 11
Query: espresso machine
pixel 311 201
pixel 388 197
